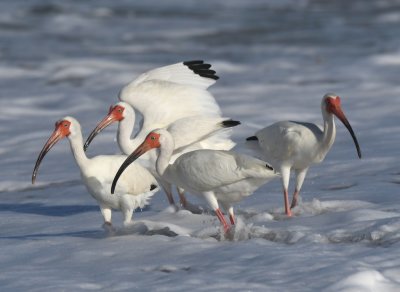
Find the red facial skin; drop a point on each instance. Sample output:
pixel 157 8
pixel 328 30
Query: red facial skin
pixel 115 114
pixel 62 130
pixel 152 141
pixel 333 106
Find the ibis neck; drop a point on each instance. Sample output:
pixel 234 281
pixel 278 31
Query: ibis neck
pixel 125 129
pixel 76 143
pixel 329 133
pixel 126 144
pixel 166 150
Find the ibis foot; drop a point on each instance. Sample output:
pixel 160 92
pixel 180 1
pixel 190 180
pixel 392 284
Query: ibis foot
pixel 108 227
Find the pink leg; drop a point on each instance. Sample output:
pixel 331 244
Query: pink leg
pixel 300 176
pixel 182 198
pixel 286 198
pixel 295 198
pixel 229 209
pixel 168 192
pixel 222 219
pixel 285 171
pixel 232 219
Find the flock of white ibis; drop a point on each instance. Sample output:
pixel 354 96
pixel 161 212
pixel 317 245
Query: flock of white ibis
pixel 184 141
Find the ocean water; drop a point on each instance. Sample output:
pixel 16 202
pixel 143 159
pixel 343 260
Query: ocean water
pixel 275 59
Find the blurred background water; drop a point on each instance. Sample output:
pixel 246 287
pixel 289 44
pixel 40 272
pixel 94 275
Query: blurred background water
pixel 274 58
pixel 34 33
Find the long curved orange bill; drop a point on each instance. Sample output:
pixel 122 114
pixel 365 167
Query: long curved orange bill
pixel 341 116
pixel 108 120
pixel 140 150
pixel 54 138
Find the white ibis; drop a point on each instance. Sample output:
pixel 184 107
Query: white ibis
pixel 137 185
pixel 208 135
pixel 296 145
pixel 162 96
pixel 219 176
pixel 166 94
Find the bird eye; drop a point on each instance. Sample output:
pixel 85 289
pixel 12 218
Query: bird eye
pixel 65 125
pixel 152 138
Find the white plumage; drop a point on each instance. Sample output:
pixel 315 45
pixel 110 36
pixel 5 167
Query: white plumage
pixel 191 133
pixel 296 145
pixel 181 73
pixel 220 177
pixel 173 96
pixel 166 94
pixel 137 185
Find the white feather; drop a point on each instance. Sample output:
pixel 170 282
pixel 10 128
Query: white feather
pixel 178 73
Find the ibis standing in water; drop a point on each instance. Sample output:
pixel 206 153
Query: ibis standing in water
pixel 206 135
pixel 219 176
pixel 137 185
pixel 162 96
pixel 293 145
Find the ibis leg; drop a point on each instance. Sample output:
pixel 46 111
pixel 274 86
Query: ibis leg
pixel 168 192
pixel 213 203
pixel 300 176
pixel 182 198
pixel 222 219
pixel 295 198
pixel 285 172
pixel 106 212
pixel 127 215
pixel 229 209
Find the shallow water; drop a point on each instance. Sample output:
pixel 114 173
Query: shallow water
pixel 276 60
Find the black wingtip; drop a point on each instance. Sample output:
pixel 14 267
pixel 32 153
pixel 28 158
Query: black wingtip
pixel 201 68
pixel 193 62
pixel 269 166
pixel 152 187
pixel 230 123
pixel 252 138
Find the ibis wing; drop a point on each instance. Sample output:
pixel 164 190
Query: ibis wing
pixel 162 103
pixel 192 73
pixel 205 170
pixel 166 94
pixel 190 130
pixel 276 141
